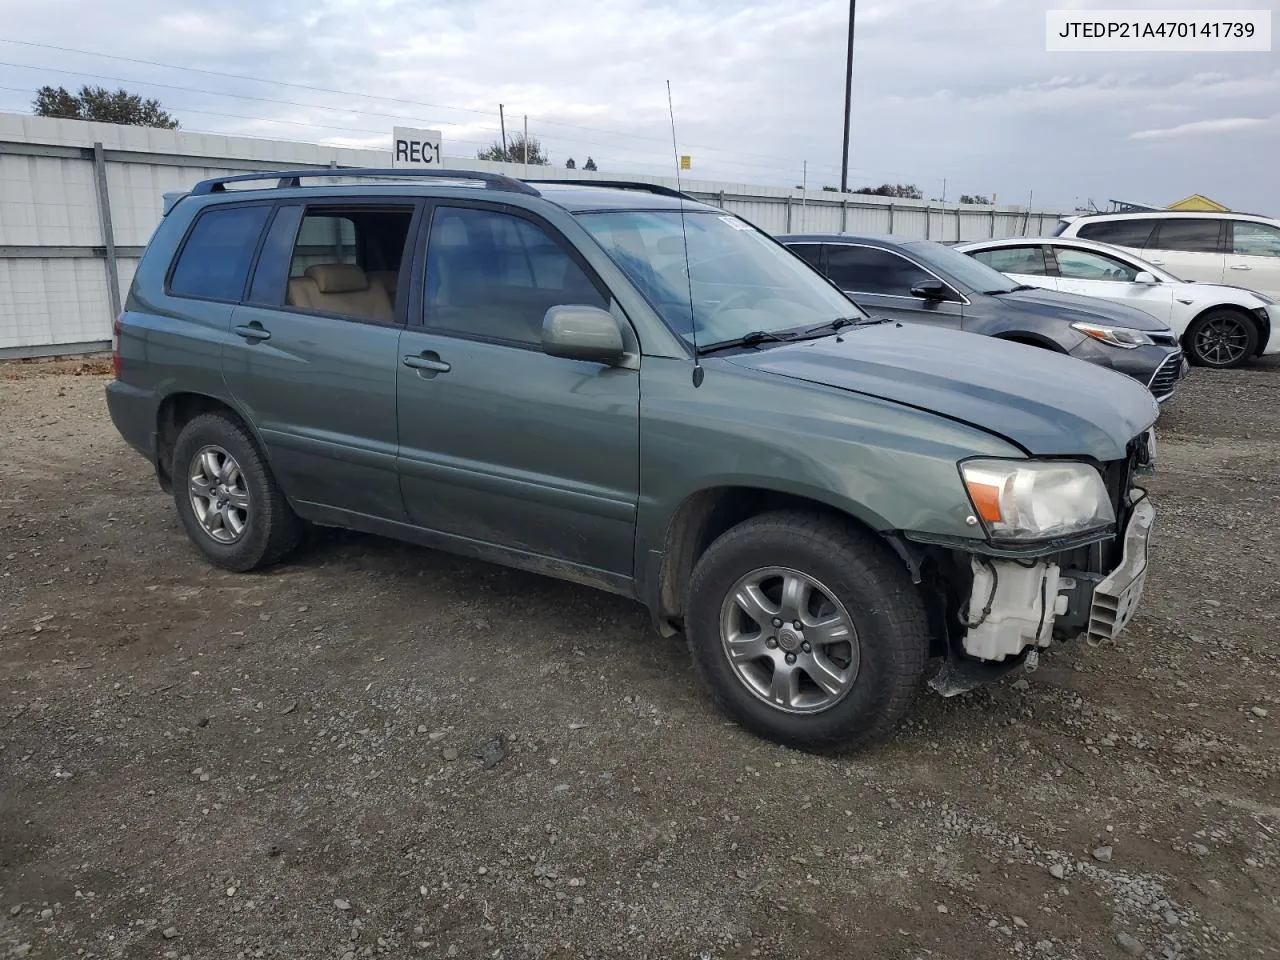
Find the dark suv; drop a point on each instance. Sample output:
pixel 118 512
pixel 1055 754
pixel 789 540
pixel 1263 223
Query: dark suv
pixel 629 389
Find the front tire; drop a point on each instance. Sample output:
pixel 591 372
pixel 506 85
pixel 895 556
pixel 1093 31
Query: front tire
pixel 226 497
pixel 1221 339
pixel 808 631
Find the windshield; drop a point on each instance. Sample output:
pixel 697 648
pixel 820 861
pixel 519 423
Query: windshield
pixel 963 268
pixel 742 282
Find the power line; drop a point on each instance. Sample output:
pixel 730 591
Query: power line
pixel 137 82
pixel 370 96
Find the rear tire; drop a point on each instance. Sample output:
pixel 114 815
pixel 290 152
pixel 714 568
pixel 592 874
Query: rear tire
pixel 863 688
pixel 228 500
pixel 1221 339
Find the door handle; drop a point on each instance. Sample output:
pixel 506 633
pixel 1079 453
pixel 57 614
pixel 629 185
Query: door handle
pixel 429 362
pixel 1158 263
pixel 1241 266
pixel 253 331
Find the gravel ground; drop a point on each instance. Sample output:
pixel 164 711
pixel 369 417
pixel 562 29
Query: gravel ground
pixel 380 750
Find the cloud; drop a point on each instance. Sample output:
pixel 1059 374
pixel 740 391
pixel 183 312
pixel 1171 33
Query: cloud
pixel 1198 128
pixel 942 90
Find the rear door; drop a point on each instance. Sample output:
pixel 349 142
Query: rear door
pixel 315 354
pixel 1254 257
pixel 500 443
pixel 1091 273
pixel 880 281
pixel 1191 248
pixel 1025 263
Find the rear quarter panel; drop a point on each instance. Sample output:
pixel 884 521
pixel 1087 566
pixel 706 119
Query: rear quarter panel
pixel 171 344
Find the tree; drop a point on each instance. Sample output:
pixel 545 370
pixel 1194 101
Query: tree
pixel 907 191
pixel 589 165
pixel 103 105
pixel 570 165
pixel 515 151
pixel 975 198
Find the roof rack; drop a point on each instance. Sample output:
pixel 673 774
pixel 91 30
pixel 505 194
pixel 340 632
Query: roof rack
pixel 292 178
pixel 623 185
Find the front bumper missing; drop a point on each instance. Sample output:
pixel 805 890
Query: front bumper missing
pixel 1013 606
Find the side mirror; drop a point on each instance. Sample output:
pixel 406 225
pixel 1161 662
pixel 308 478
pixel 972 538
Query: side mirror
pixel 1145 277
pixel 930 290
pixel 580 332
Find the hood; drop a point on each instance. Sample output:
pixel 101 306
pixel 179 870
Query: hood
pixel 1047 403
pixel 1072 307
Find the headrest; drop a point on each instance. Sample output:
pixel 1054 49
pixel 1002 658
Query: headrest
pixel 338 277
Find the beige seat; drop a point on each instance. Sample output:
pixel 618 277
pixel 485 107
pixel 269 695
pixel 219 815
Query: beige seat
pixel 341 288
pixel 387 280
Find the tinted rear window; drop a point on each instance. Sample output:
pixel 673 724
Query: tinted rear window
pixel 214 262
pixel 1123 233
pixel 1192 236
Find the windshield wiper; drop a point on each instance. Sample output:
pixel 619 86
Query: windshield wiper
pixel 839 323
pixel 996 293
pixel 752 339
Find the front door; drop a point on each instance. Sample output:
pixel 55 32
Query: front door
pixel 1091 273
pixel 500 443
pixel 880 282
pixel 1254 257
pixel 315 355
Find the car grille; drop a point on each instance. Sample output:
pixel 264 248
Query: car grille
pixel 1166 376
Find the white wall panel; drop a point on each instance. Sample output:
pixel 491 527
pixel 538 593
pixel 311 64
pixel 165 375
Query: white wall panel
pixel 52 201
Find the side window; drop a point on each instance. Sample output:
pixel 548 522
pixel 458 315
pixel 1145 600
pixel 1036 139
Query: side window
pixel 1198 235
pixel 1123 233
pixel 214 262
pixel 346 262
pixel 1255 239
pixel 810 253
pixel 324 238
pixel 495 275
pixel 1026 260
pixel 1089 265
pixel 871 270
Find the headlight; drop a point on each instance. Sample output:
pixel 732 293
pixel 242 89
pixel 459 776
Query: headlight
pixel 1037 500
pixel 1116 336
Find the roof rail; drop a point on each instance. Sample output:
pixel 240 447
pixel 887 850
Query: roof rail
pixel 623 185
pixel 292 178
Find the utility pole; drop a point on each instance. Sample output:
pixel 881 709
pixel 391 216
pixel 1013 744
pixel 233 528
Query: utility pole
pixel 804 191
pixel 526 140
pixel 502 121
pixel 848 103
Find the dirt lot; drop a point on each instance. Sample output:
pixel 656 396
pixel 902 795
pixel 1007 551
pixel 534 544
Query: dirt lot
pixel 199 764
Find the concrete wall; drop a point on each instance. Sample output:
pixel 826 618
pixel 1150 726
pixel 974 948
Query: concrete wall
pixel 78 202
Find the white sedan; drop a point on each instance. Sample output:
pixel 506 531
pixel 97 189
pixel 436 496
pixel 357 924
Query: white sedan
pixel 1219 325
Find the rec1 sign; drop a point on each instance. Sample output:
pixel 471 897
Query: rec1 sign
pixel 415 148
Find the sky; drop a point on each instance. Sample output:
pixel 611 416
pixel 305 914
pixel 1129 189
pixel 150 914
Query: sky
pixel 961 91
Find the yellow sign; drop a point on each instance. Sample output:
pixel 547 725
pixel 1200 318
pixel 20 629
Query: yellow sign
pixel 686 161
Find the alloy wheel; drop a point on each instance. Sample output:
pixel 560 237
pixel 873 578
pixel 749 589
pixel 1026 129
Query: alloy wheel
pixel 1222 341
pixel 789 640
pixel 218 494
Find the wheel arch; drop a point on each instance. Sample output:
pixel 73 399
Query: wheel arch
pixel 709 512
pixel 1262 326
pixel 1029 339
pixel 178 409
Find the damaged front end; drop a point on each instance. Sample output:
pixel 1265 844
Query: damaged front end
pixel 1000 605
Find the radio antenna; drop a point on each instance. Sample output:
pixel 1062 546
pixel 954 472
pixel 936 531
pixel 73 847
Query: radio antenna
pixel 698 372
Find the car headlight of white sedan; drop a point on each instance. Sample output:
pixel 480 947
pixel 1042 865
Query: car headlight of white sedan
pixel 1031 500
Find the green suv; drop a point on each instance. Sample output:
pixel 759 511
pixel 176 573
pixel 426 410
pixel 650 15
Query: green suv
pixel 615 384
